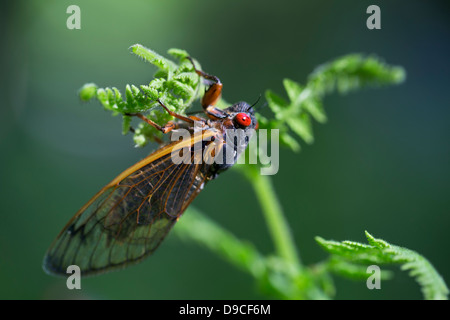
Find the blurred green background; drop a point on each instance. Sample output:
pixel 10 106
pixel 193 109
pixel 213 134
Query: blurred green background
pixel 380 164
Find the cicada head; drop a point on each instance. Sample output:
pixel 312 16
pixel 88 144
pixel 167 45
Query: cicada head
pixel 239 125
pixel 243 116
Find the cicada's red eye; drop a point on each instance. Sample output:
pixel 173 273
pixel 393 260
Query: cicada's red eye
pixel 243 119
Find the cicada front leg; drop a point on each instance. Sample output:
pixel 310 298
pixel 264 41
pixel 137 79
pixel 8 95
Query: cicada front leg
pixel 212 94
pixel 169 126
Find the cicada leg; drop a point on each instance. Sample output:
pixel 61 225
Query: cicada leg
pixel 169 126
pixel 212 94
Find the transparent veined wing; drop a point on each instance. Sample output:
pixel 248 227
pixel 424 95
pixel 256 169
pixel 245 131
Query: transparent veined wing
pixel 127 220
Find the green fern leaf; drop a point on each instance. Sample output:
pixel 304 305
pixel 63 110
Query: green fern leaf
pixel 343 75
pixel 381 252
pixel 176 84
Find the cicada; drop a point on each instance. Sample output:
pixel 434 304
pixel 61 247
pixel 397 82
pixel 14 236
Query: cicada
pixel 128 218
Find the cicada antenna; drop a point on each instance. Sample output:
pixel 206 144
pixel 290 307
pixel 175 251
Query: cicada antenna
pixel 260 107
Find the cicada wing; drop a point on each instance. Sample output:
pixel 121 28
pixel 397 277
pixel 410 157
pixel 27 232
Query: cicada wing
pixel 127 220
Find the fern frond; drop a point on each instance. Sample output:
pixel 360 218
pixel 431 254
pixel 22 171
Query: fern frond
pixel 352 270
pixel 381 252
pixel 344 74
pixel 175 83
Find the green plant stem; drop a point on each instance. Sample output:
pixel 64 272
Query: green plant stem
pixel 273 214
